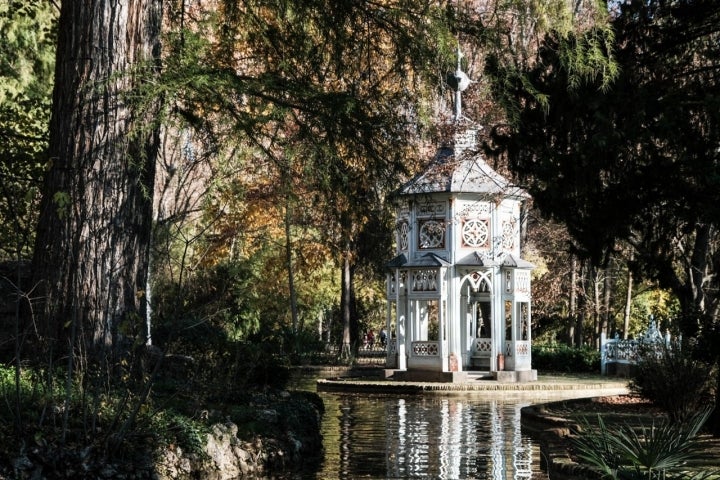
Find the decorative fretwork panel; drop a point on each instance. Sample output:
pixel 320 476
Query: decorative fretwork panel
pixel 479 281
pixel 425 349
pixel 522 282
pixel 509 234
pixel 396 283
pixel 651 342
pixel 403 235
pixel 425 281
pixel 482 347
pixel 431 234
pixel 522 348
pixel 621 351
pixel 432 209
pixel 476 233
pixel 474 210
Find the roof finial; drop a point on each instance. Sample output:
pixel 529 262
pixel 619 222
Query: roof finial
pixel 458 81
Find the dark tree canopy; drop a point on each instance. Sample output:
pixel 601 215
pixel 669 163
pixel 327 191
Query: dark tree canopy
pixel 637 161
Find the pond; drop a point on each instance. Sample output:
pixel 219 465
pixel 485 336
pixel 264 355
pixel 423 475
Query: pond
pixel 416 436
pixel 425 437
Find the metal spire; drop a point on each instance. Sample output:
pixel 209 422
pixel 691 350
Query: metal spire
pixel 458 81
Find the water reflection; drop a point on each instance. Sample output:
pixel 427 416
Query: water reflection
pixel 425 437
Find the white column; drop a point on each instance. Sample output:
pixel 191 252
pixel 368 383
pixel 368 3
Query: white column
pixel 498 318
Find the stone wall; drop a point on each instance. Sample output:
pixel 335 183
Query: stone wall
pixel 227 457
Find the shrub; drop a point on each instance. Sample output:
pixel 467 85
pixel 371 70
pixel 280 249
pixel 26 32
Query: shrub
pixel 664 451
pixel 562 358
pixel 172 428
pixel 674 380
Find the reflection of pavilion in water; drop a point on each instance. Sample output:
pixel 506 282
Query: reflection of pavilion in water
pixel 443 438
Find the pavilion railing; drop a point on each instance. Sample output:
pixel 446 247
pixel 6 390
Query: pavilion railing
pixel 425 349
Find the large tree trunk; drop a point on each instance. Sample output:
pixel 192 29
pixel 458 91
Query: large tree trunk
pixel 93 236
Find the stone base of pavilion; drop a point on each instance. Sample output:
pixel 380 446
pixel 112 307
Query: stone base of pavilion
pixel 515 376
pixel 504 376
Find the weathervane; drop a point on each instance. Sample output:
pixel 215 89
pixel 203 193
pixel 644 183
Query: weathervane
pixel 458 81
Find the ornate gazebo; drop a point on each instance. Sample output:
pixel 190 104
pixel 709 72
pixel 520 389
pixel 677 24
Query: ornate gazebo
pixel 458 292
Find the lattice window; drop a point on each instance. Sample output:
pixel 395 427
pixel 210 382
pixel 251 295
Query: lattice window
pixel 476 232
pixel 396 284
pixel 425 281
pixel 522 282
pixel 432 234
pixel 403 233
pixel 508 234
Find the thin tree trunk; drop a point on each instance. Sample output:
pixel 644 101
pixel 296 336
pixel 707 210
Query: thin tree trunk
pixel 607 301
pixel 93 237
pixel 290 269
pixel 628 301
pixel 573 300
pixel 596 306
pixel 346 352
pixel 581 306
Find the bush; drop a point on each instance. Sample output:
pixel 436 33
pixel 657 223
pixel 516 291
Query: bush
pixel 562 358
pixel 666 450
pixel 674 380
pixel 172 428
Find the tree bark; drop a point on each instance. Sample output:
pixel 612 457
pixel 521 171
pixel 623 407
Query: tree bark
pixel 572 300
pixel 607 301
pixel 346 352
pixel 595 272
pixel 290 269
pixel 628 301
pixel 582 305
pixel 91 253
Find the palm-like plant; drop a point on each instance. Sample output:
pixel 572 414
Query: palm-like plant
pixel 666 451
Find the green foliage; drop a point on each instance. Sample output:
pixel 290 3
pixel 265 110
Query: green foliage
pixel 611 162
pixel 220 301
pixel 667 450
pixel 674 380
pixel 169 427
pixel 661 303
pixel 562 358
pixel 27 56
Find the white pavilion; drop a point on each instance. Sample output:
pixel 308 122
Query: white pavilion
pixel 458 292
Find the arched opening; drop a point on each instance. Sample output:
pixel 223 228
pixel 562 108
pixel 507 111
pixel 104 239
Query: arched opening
pixel 477 291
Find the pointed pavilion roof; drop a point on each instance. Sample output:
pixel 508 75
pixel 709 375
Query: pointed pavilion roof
pixel 511 260
pixel 464 173
pixel 427 260
pixel 459 168
pixel 476 260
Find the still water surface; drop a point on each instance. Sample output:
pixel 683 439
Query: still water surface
pixel 428 437
pixel 425 437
